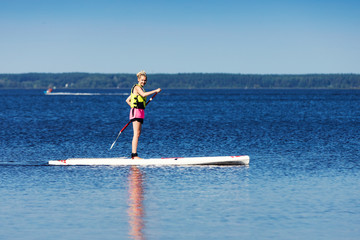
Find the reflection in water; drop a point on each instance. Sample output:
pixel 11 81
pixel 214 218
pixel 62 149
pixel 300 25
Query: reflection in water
pixel 136 208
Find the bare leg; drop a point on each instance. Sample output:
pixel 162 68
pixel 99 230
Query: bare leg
pixel 137 132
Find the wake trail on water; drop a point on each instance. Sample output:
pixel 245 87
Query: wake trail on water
pixel 86 94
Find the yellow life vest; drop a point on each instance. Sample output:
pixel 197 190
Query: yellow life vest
pixel 137 101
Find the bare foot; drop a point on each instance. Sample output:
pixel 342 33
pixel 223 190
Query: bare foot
pixel 136 158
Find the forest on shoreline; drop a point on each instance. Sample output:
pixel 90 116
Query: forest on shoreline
pixel 181 81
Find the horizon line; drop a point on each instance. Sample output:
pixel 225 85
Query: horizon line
pixel 227 73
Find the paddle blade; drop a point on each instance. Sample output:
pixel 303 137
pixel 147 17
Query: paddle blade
pixel 112 145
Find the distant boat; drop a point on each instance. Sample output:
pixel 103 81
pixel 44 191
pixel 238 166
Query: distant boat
pixel 48 91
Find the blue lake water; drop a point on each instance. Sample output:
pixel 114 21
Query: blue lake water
pixel 302 181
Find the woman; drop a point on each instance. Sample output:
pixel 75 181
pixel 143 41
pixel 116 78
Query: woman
pixel 137 102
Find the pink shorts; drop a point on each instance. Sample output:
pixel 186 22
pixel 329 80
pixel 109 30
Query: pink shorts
pixel 137 113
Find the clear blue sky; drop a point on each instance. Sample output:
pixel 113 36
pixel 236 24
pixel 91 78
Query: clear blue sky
pixel 109 36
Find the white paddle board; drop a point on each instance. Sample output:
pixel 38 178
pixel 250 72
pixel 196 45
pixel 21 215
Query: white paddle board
pixel 225 160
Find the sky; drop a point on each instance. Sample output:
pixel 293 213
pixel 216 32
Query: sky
pixel 187 36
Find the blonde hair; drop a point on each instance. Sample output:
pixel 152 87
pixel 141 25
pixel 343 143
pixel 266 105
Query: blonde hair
pixel 141 73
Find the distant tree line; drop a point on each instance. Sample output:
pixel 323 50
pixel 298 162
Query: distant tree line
pixel 180 81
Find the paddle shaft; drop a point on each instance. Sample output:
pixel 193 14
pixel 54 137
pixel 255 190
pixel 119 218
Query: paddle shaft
pixel 112 145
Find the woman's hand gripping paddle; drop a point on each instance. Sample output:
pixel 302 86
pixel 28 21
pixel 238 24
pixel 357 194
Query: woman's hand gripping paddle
pixel 112 145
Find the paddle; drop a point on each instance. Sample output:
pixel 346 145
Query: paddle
pixel 112 145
